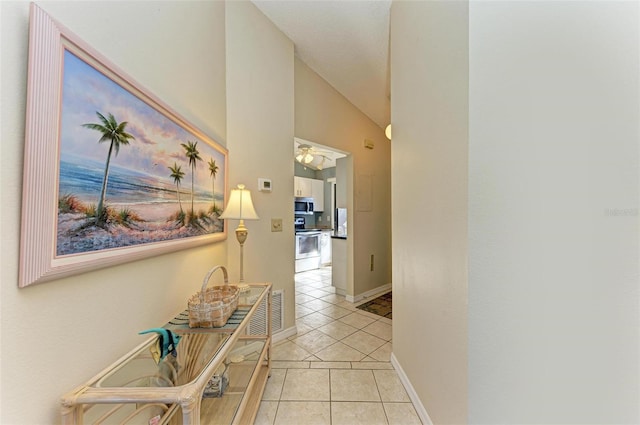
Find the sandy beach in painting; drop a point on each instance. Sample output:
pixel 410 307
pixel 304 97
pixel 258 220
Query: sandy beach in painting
pixel 161 211
pixel 76 236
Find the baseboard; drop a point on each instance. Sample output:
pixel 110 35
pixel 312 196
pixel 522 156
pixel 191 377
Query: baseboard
pixel 284 334
pixel 420 410
pixel 369 294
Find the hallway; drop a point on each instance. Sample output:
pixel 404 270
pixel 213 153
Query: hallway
pixel 336 369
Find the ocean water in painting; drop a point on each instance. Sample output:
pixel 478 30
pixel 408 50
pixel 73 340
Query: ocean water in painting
pixel 131 187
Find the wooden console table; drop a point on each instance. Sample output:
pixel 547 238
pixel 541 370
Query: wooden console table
pixel 136 390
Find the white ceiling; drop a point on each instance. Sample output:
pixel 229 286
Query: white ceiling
pixel 346 42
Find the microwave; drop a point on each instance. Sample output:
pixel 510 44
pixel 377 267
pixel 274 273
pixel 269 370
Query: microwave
pixel 303 206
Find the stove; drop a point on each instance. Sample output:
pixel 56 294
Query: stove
pixel 299 223
pixel 307 246
pixel 299 227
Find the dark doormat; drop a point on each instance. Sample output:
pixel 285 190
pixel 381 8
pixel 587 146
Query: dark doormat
pixel 380 306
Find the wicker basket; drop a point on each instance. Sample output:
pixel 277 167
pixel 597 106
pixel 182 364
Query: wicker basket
pixel 212 307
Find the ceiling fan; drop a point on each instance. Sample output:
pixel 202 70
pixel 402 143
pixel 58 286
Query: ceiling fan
pixel 307 155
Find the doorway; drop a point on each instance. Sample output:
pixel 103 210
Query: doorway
pixel 316 184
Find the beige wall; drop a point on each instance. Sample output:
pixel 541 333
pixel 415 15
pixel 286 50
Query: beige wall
pixel 553 212
pixel 260 140
pixel 429 80
pixel 324 116
pixel 58 334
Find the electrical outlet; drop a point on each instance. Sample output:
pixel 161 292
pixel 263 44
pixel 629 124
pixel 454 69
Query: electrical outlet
pixel 276 225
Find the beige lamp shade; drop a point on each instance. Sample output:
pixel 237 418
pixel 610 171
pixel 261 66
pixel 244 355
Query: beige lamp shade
pixel 240 205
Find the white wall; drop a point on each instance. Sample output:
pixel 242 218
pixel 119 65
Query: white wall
pixel 58 334
pixel 429 80
pixel 324 116
pixel 553 212
pixel 552 209
pixel 260 141
pixel 429 105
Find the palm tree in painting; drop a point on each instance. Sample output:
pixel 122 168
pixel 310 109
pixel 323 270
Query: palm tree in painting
pixel 114 133
pixel 177 174
pixel 213 169
pixel 191 150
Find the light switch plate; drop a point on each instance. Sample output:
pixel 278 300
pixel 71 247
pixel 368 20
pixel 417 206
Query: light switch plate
pixel 276 225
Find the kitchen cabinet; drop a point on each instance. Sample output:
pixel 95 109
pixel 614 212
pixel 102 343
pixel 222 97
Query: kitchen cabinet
pixel 339 265
pixel 325 247
pixel 302 187
pixel 217 376
pixel 310 188
pixel 317 193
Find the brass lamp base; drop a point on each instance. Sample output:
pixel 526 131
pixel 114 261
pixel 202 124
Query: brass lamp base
pixel 241 234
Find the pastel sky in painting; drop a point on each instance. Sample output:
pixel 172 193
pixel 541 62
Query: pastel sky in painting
pixel 157 139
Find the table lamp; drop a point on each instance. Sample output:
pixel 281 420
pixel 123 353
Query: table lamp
pixel 240 207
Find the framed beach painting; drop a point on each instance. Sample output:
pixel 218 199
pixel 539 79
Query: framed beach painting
pixel 111 173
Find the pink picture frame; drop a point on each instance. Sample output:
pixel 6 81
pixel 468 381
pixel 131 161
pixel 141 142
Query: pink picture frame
pixel 111 173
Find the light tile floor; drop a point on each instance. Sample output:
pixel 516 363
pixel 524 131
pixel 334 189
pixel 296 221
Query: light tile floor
pixel 336 370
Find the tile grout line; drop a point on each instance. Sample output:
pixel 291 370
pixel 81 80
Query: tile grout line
pixel 330 400
pixel 380 395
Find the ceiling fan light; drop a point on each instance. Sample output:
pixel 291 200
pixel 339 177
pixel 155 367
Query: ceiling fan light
pixel 299 157
pixel 307 158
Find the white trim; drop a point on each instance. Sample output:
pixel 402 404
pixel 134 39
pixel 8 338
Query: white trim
pixel 369 294
pixel 417 403
pixel 284 334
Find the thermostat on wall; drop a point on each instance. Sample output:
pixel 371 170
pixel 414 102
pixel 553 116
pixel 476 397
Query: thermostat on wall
pixel 264 185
